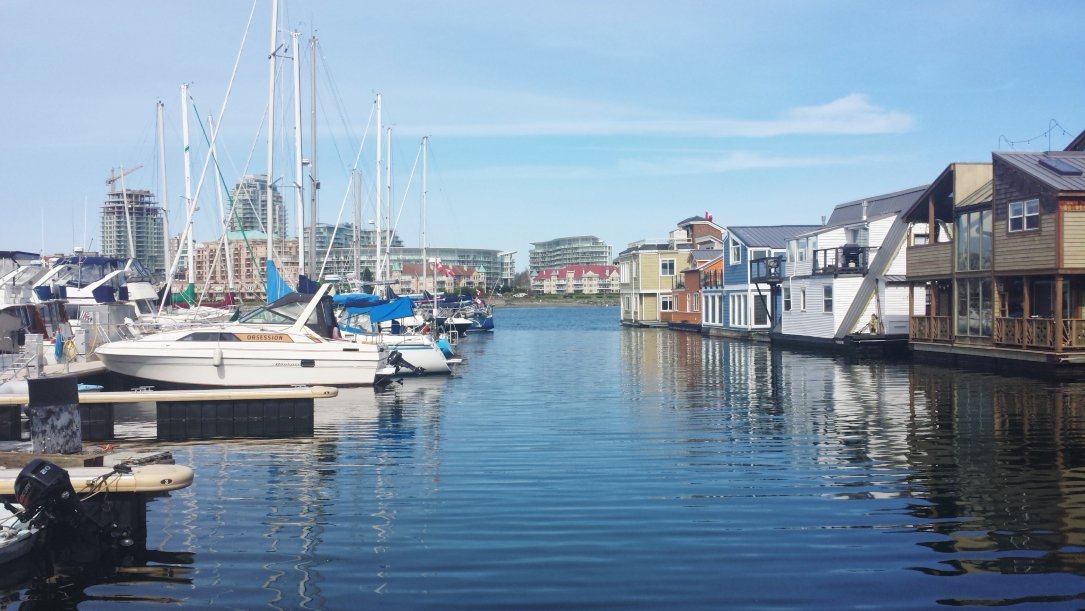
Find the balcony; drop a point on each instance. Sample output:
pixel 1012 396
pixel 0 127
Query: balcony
pixel 930 260
pixel 846 259
pixel 767 269
pixel 712 280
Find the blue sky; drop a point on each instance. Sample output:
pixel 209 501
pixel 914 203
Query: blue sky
pixel 546 119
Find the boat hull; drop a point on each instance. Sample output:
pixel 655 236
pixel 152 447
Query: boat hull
pixel 419 351
pixel 346 364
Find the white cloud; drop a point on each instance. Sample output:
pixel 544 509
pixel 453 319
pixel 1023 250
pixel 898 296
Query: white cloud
pixel 853 114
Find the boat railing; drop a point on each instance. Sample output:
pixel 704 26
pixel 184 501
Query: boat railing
pixel 24 361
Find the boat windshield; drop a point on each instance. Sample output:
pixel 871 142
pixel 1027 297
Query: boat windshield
pixel 283 314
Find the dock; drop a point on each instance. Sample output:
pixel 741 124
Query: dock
pixel 190 414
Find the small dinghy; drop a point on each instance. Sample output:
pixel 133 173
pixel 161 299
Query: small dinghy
pixel 16 535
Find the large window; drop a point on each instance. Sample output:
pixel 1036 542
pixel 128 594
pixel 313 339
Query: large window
pixel 739 312
pixel 974 307
pixel 787 298
pixel 666 303
pixel 1024 216
pixel 827 298
pixel 666 267
pixel 974 241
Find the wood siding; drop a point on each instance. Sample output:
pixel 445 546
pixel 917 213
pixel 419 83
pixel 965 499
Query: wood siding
pixel 1073 238
pixel 930 261
pixel 1025 251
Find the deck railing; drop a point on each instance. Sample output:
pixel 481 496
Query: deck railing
pixel 1039 332
pixel 766 269
pixel 847 259
pixel 930 328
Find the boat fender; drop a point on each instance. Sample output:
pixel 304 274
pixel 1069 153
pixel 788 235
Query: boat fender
pixel 216 357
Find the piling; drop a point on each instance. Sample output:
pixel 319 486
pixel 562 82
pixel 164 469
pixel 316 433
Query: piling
pixel 55 425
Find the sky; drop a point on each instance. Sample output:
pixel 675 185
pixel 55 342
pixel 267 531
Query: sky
pixel 616 119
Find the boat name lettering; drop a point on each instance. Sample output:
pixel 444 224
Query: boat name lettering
pixel 263 337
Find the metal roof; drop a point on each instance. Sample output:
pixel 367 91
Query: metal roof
pixel 984 194
pixel 878 205
pixel 1029 163
pixel 774 236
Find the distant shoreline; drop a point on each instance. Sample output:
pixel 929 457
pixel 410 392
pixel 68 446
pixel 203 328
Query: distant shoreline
pixel 536 302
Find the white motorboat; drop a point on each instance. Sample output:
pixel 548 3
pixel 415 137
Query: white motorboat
pixel 248 354
pixel 421 353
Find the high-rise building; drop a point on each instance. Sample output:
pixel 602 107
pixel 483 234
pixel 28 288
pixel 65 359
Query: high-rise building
pixel 342 236
pixel 508 268
pixel 250 206
pixel 563 252
pixel 132 226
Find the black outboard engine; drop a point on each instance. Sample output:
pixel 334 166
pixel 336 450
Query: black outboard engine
pixel 43 486
pixel 395 359
pixel 70 528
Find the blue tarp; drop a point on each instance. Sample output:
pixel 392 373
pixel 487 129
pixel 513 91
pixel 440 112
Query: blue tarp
pixel 400 308
pixel 357 300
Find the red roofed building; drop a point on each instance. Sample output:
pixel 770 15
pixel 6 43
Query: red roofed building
pixel 582 279
pixel 449 278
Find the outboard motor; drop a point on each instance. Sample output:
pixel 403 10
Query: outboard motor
pixel 395 359
pixel 43 486
pixel 73 530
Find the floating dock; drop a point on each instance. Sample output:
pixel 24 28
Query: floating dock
pixel 191 414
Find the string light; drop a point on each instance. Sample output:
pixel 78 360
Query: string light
pixel 1051 126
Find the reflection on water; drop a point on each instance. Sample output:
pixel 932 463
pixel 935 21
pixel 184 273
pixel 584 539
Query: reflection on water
pixel 572 462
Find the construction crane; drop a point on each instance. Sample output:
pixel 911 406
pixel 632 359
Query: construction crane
pixel 114 177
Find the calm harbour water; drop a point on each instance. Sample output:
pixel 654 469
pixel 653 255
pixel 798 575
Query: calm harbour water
pixel 575 463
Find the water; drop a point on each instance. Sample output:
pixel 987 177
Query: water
pixel 575 463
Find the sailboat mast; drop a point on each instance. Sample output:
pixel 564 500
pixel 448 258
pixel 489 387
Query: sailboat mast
pixel 270 227
pixel 388 175
pixel 163 199
pixel 189 205
pixel 313 183
pixel 356 242
pixel 425 143
pixel 127 218
pixel 222 207
pixel 299 198
pixel 377 205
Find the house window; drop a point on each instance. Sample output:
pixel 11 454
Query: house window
pixel 696 302
pixel 666 303
pixel 739 313
pixel 787 299
pixel 802 299
pixel 666 267
pixel 1024 216
pixel 827 299
pixel 974 307
pixel 802 249
pixel 973 243
pixel 736 253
